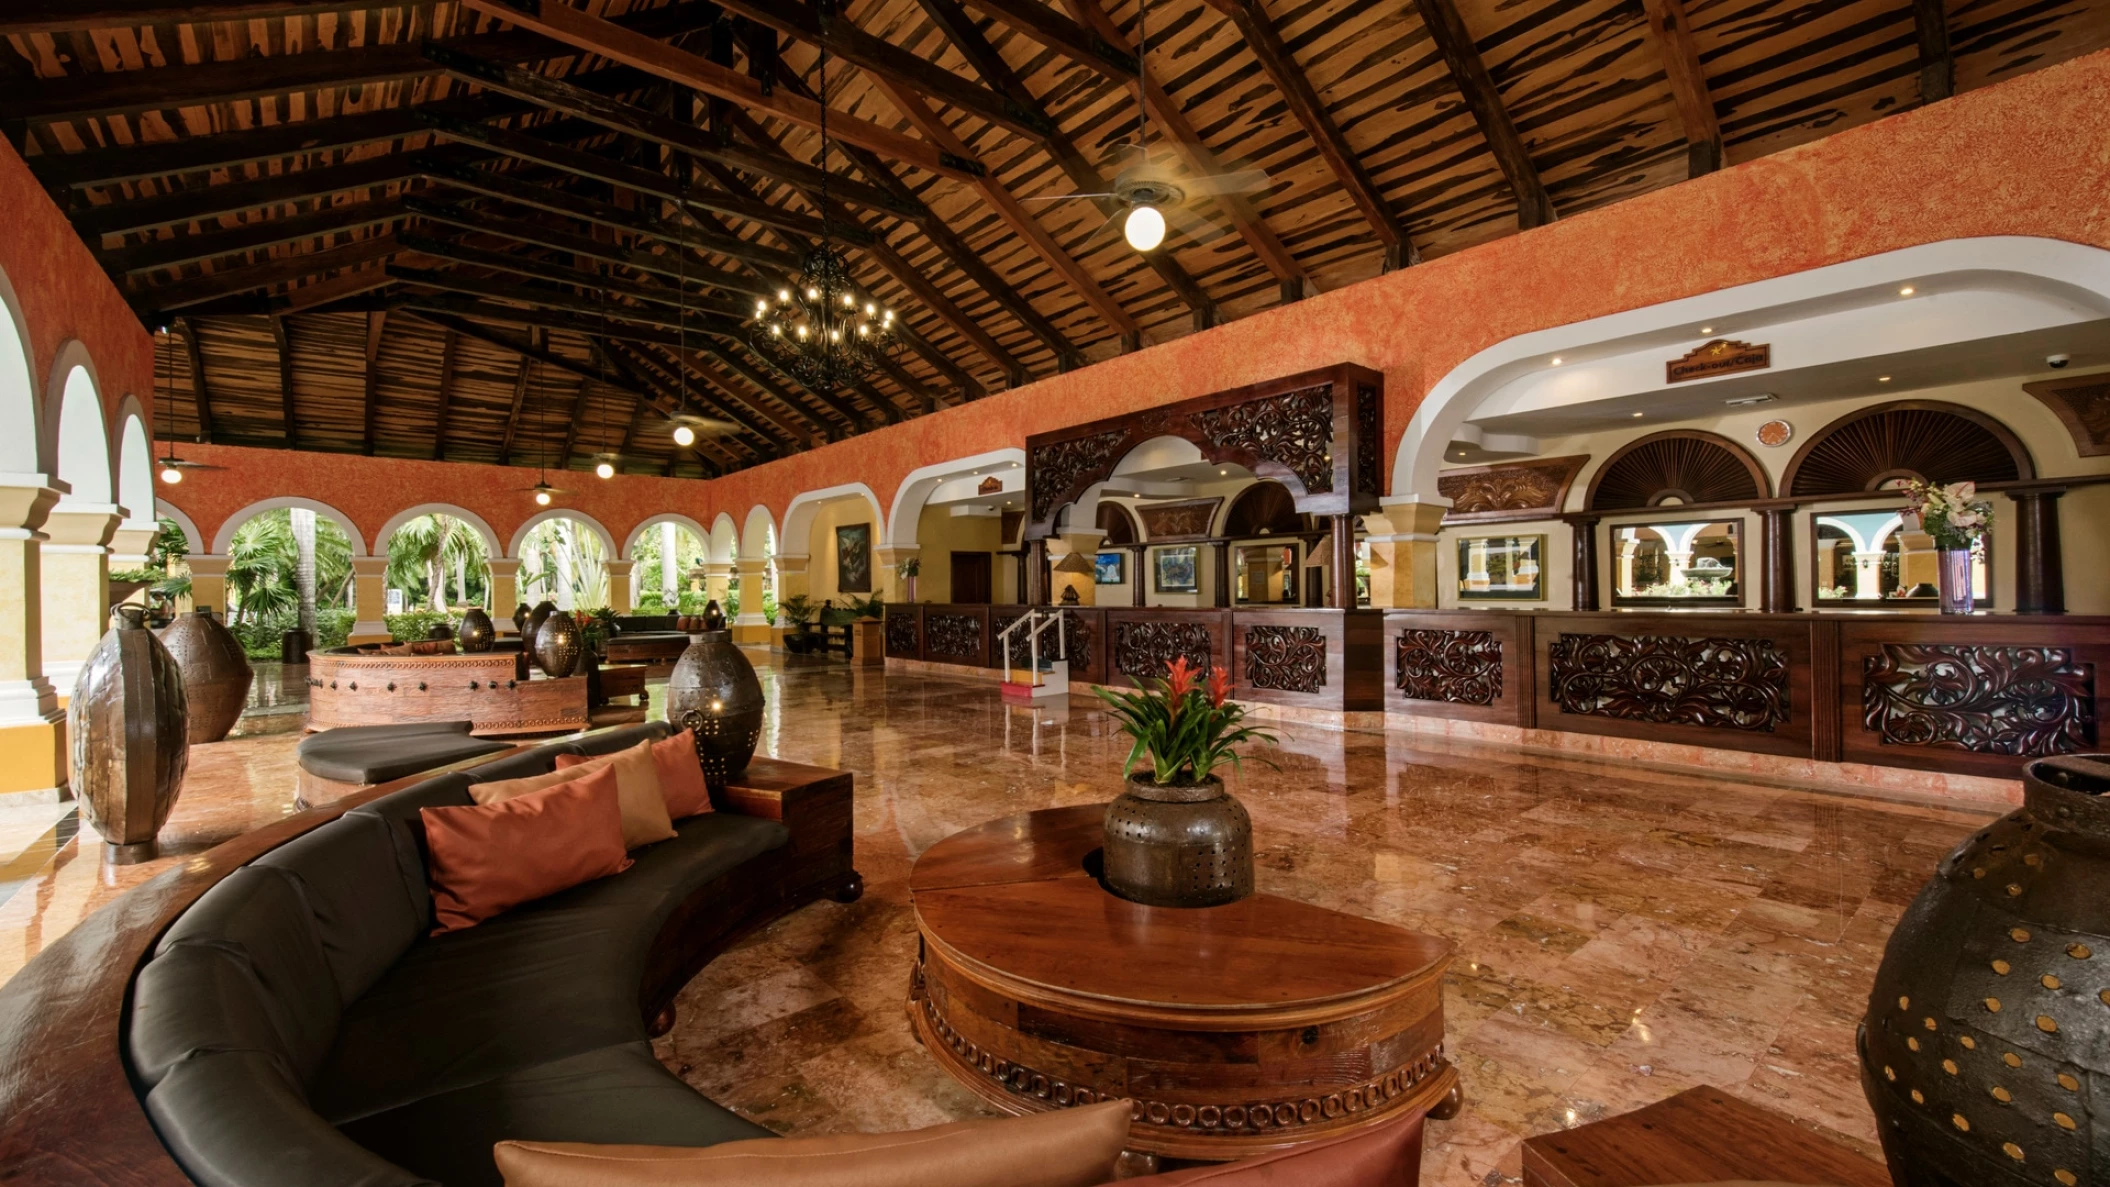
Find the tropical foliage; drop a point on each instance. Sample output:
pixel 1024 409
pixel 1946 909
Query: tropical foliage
pixel 263 562
pixel 562 562
pixel 1182 730
pixel 435 556
pixel 651 573
pixel 261 637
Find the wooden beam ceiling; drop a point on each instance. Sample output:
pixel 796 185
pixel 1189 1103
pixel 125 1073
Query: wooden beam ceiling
pixel 1455 43
pixel 1668 20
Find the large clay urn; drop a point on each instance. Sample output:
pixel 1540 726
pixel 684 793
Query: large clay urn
pixel 714 692
pixel 478 631
pixel 1187 845
pixel 557 644
pixel 535 619
pixel 1988 1033
pixel 129 728
pixel 216 674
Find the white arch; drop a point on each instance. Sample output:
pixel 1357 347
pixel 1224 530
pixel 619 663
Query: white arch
pixel 135 463
pixel 723 539
pixel 21 413
pixel 2031 283
pixel 756 536
pixel 798 518
pixel 81 444
pixel 475 522
pixel 193 541
pixel 674 517
pixel 223 538
pixel 916 488
pixel 584 520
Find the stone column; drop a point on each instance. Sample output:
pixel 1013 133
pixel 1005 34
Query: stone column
pixel 76 586
pixel 369 600
pixel 1403 540
pixel 891 582
pixel 751 627
pixel 505 590
pixel 717 582
pixel 1868 576
pixel 32 726
pixel 791 576
pixel 619 584
pixel 208 579
pixel 2040 567
pixel 1776 589
pixel 128 550
pixel 1585 530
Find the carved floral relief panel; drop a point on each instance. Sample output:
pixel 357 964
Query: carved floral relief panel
pixel 1457 667
pixel 1720 683
pixel 1285 658
pixel 953 636
pixel 901 634
pixel 2020 701
pixel 1147 648
pixel 1294 429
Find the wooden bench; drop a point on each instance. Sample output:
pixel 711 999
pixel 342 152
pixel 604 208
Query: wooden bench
pixel 1701 1135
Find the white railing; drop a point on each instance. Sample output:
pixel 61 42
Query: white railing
pixel 1035 622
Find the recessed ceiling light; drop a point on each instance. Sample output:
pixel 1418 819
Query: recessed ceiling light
pixel 1223 471
pixel 1882 379
pixel 1556 360
pixel 1706 329
pixel 1907 291
pixel 1639 415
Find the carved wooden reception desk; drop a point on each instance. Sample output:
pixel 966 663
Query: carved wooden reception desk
pixel 492 689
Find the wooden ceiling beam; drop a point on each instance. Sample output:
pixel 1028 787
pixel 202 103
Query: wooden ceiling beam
pixel 291 430
pixel 1672 28
pixel 520 387
pixel 267 274
pixel 540 269
pixel 648 371
pixel 1258 32
pixel 465 328
pixel 24 17
pixel 975 46
pixel 376 325
pixel 201 392
pixel 1036 20
pixel 571 427
pixel 449 347
pixel 1014 215
pixel 200 203
pixel 176 250
pixel 222 150
pixel 543 296
pixel 708 399
pixel 669 264
pixel 1930 27
pixel 738 364
pixel 800 433
pixel 894 65
pixel 557 20
pixel 547 319
pixel 1454 43
pixel 1187 143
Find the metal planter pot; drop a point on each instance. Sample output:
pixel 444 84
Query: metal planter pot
pixel 714 692
pixel 216 674
pixel 129 729
pixel 1179 846
pixel 478 631
pixel 558 643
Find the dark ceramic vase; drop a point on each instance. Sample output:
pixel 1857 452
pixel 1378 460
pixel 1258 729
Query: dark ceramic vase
pixel 129 728
pixel 557 645
pixel 216 673
pixel 478 631
pixel 1178 846
pixel 535 619
pixel 520 619
pixel 1988 1033
pixel 714 692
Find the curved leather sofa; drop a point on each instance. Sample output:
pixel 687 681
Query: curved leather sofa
pixel 297 1024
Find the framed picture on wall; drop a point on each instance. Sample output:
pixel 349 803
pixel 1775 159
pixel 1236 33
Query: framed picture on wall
pixel 1110 568
pixel 853 558
pixel 1175 569
pixel 1501 569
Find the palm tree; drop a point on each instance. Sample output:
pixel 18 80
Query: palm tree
pixel 263 563
pixel 303 521
pixel 421 553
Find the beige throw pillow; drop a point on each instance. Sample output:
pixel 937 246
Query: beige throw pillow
pixel 645 818
pixel 1064 1148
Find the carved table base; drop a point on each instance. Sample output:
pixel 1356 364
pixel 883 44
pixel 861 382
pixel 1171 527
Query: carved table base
pixel 1233 1030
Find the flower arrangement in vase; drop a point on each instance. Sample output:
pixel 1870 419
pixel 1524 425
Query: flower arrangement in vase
pixel 1175 837
pixel 1957 520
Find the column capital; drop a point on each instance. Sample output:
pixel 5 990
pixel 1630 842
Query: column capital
pixel 207 564
pixel 25 501
pixel 618 568
pixel 792 562
pixel 368 566
pixel 507 566
pixel 81 527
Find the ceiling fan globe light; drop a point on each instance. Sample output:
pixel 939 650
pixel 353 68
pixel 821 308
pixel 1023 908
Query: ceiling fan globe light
pixel 1144 228
pixel 684 435
pixel 542 498
pixel 605 470
pixel 171 475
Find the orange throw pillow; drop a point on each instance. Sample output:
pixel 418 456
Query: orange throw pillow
pixel 1062 1148
pixel 681 775
pixel 487 858
pixel 645 818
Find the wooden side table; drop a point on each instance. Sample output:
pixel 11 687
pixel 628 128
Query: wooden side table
pixel 1701 1135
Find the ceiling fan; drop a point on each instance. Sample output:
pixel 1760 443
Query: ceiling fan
pixel 1147 189
pixel 688 426
pixel 169 467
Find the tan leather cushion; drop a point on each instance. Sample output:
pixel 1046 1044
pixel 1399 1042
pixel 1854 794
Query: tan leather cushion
pixel 1065 1148
pixel 645 817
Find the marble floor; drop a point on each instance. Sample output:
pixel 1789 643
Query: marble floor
pixel 1622 933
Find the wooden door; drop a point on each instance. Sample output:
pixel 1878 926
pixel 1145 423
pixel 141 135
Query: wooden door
pixel 970 578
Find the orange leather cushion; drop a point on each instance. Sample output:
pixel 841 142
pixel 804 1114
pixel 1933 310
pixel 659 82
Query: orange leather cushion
pixel 645 818
pixel 1064 1148
pixel 485 858
pixel 681 786
pixel 1386 1156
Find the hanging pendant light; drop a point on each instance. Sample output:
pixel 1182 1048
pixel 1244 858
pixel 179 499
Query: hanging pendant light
pixel 822 329
pixel 171 473
pixel 1145 228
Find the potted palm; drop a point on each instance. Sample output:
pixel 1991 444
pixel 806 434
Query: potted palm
pixel 1176 838
pixel 795 614
pixel 862 618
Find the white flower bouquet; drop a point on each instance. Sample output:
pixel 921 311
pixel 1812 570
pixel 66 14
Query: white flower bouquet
pixel 1952 514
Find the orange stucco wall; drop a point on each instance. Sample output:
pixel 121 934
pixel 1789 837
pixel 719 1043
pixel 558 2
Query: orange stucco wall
pixel 2030 156
pixel 63 295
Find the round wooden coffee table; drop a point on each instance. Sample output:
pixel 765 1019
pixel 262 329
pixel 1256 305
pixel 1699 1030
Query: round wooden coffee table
pixel 1235 1030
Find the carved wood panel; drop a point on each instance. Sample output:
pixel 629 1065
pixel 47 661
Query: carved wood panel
pixel 1510 490
pixel 902 637
pixel 1061 467
pixel 1294 429
pixel 1147 648
pixel 1457 667
pixel 1719 683
pixel 1369 440
pixel 952 636
pixel 1188 519
pixel 1285 658
pixel 2020 701
pixel 2082 404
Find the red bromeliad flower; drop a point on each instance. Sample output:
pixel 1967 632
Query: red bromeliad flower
pixel 1179 681
pixel 1219 686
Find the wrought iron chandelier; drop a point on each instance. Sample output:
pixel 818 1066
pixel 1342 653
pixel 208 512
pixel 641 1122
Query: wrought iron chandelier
pixel 821 329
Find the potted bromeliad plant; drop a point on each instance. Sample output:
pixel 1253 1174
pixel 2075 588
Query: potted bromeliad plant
pixel 1176 838
pixel 1958 520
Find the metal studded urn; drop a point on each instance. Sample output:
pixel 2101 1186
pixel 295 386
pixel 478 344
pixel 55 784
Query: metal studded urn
pixel 478 631
pixel 535 619
pixel 1178 846
pixel 216 673
pixel 129 730
pixel 714 692
pixel 558 643
pixel 1988 1033
pixel 521 614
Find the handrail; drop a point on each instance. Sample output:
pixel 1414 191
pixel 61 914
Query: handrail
pixel 1037 622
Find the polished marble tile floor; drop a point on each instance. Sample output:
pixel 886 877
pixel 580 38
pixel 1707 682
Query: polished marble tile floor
pixel 1622 933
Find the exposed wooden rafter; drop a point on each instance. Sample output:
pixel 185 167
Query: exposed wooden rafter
pixel 1672 26
pixel 201 392
pixel 1930 26
pixel 1477 87
pixel 279 340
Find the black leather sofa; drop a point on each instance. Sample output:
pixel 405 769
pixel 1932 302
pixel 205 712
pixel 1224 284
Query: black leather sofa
pixel 297 1025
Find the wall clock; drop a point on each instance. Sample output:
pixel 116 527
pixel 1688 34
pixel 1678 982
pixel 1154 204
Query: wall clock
pixel 1775 433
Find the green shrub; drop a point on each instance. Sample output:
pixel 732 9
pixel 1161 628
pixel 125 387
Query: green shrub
pixel 692 601
pixel 650 604
pixel 411 625
pixel 262 637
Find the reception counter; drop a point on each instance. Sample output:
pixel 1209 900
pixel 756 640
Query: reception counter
pixel 1972 695
pixel 492 689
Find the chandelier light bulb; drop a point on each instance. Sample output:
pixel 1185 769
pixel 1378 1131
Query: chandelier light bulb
pixel 802 333
pixel 849 302
pixel 835 335
pixel 871 310
pixel 684 435
pixel 542 498
pixel 171 475
pixel 813 294
pixel 784 295
pixel 1145 228
pixel 761 307
pixel 605 470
